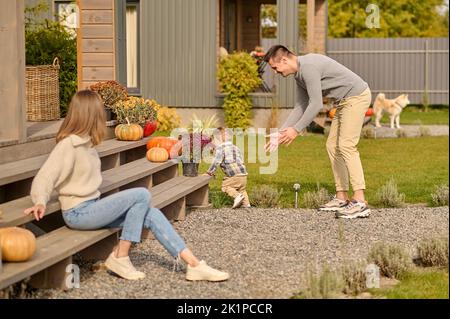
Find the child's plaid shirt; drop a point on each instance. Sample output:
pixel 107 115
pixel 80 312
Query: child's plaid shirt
pixel 229 157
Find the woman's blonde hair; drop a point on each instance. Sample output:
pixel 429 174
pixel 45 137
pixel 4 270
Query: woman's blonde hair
pixel 86 117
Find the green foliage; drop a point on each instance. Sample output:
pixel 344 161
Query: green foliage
pixel 265 196
pixel 45 40
pixel 394 261
pixel 430 284
pixel 136 110
pixel 400 18
pixel 354 277
pixel 238 76
pixel 440 195
pixel 325 284
pixel 433 252
pixel 388 195
pixel 315 199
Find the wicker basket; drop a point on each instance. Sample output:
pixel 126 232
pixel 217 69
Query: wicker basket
pixel 42 91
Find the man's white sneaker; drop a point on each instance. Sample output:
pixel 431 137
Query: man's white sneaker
pixel 123 267
pixel 238 200
pixel 204 272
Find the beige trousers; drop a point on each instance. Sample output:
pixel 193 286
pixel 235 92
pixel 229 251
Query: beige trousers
pixel 344 136
pixel 235 185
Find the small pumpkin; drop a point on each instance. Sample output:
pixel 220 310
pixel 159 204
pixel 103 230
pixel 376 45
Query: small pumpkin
pixel 17 244
pixel 162 141
pixel 129 132
pixel 332 112
pixel 157 154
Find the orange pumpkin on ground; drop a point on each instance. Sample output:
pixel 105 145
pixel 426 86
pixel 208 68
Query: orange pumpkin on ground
pixel 17 244
pixel 129 132
pixel 157 154
pixel 162 141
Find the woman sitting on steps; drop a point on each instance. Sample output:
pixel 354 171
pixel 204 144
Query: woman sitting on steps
pixel 73 169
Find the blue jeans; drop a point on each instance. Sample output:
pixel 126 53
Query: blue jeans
pixel 129 210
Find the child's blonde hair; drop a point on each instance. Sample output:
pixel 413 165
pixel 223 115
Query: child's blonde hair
pixel 85 117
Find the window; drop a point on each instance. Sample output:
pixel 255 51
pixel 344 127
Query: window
pixel 67 13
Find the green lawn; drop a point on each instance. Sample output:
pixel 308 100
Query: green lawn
pixel 416 115
pixel 416 164
pixel 423 284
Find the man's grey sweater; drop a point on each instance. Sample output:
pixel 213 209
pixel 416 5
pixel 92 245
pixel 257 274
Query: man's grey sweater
pixel 319 76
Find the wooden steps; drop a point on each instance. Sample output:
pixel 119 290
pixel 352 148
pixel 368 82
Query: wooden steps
pixel 123 166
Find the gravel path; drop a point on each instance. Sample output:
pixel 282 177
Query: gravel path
pixel 264 250
pixel 411 130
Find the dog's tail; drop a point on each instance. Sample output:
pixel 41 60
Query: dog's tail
pixel 378 100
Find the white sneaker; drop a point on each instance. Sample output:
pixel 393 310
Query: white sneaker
pixel 204 272
pixel 354 209
pixel 123 267
pixel 238 200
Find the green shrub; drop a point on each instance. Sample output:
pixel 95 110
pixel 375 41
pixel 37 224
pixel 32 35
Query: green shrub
pixel 265 196
pixel 368 132
pixel 238 76
pixel 46 40
pixel 433 252
pixel 324 285
pixel 388 195
pixel 424 131
pixel 317 198
pixel 440 195
pixel 394 261
pixel 354 278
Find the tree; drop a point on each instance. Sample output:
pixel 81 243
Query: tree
pixel 399 18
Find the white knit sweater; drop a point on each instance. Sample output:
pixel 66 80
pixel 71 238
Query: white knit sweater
pixel 73 168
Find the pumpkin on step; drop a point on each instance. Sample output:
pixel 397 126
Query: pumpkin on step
pixel 157 154
pixel 17 244
pixel 129 132
pixel 162 141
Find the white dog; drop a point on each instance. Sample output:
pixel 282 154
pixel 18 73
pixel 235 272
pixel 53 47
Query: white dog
pixel 394 107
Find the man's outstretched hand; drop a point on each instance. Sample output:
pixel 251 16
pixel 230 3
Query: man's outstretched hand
pixel 285 136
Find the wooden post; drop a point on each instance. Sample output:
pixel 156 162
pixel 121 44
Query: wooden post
pixel 199 198
pixel 176 210
pixel 311 8
pixel 12 75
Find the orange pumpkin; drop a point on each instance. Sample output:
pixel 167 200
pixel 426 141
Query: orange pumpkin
pixel 157 154
pixel 129 132
pixel 17 244
pixel 332 112
pixel 162 141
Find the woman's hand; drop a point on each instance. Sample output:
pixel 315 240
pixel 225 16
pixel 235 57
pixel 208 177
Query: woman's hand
pixel 38 211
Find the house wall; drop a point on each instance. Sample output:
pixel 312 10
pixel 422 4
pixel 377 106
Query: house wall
pixel 178 52
pixel 96 48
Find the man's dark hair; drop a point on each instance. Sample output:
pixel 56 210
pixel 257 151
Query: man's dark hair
pixel 276 52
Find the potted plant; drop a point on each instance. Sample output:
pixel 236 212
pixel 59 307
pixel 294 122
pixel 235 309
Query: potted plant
pixel 111 93
pixel 137 110
pixel 193 145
